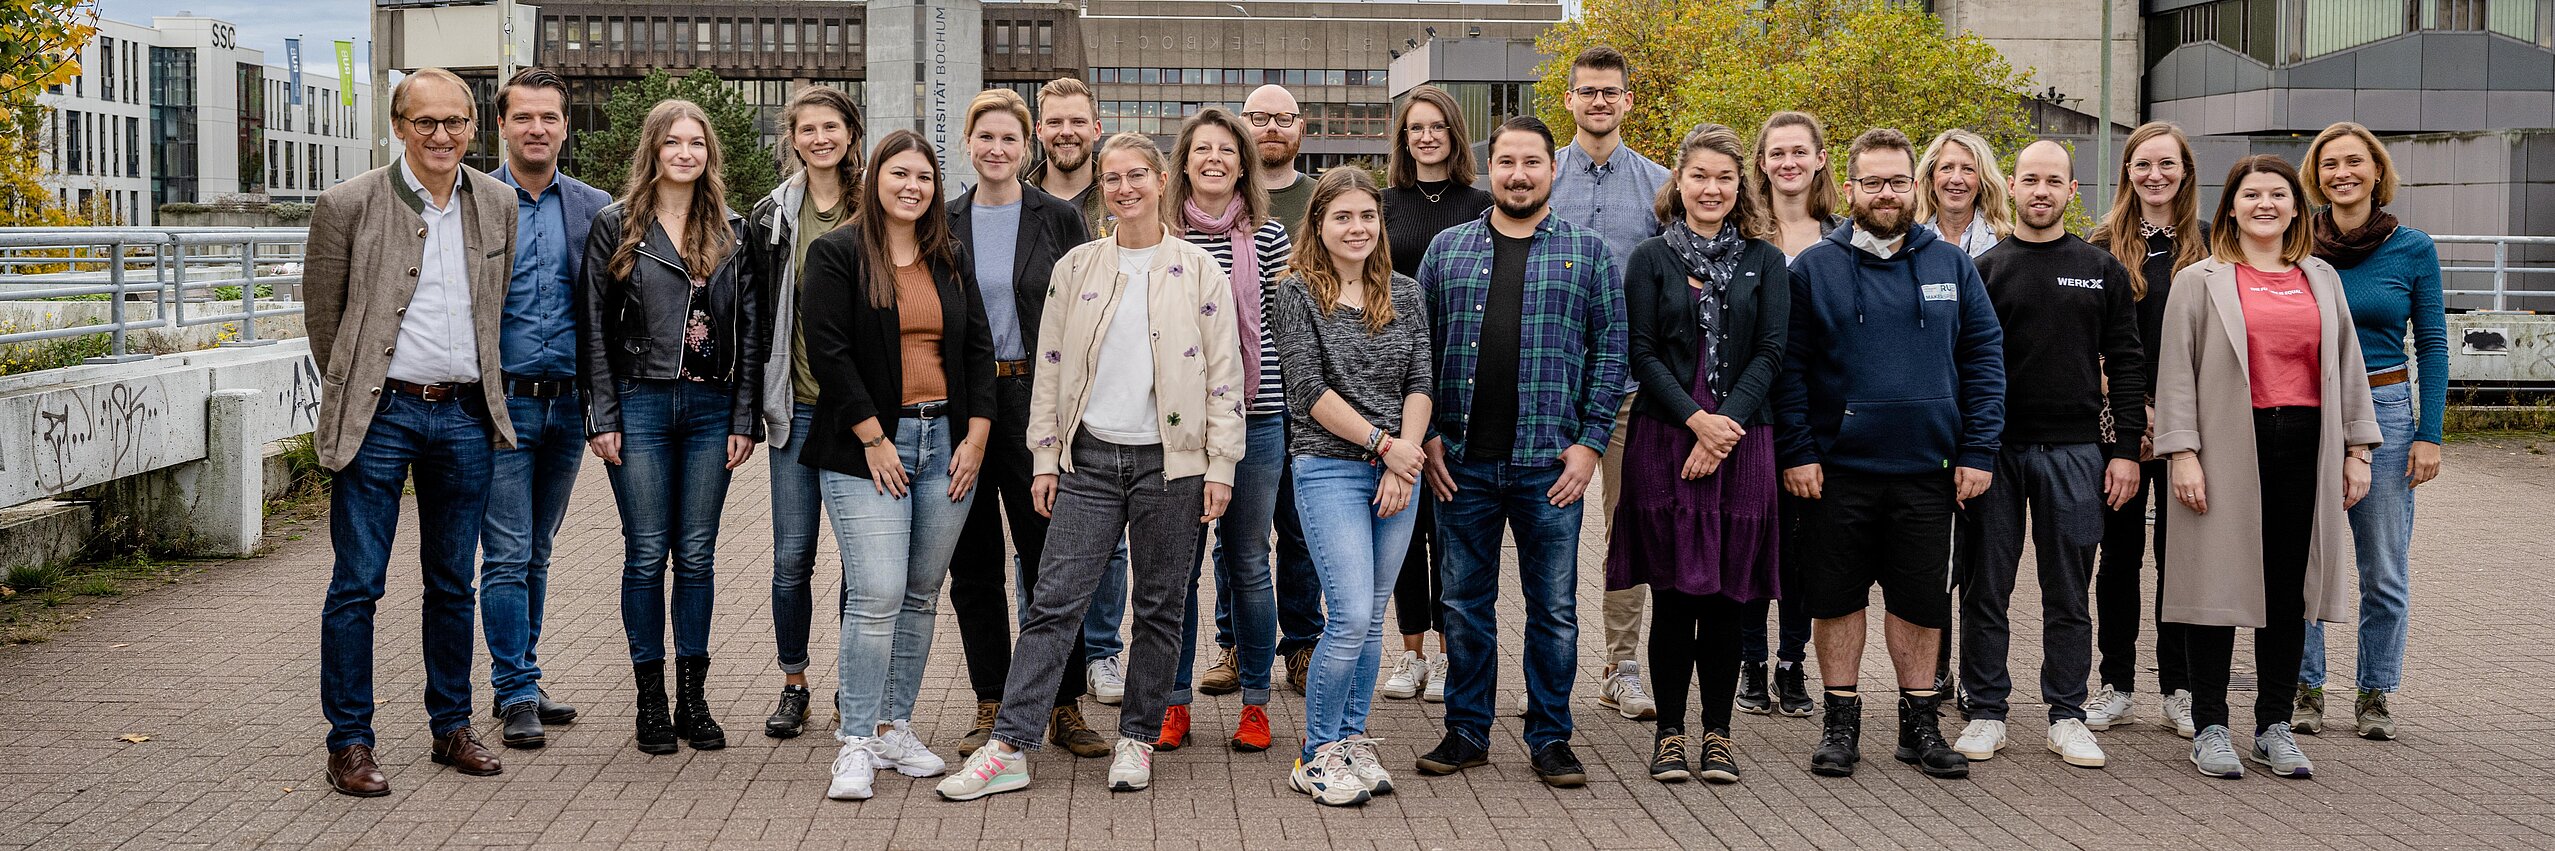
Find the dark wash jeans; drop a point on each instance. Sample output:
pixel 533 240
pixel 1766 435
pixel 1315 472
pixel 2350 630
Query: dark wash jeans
pixel 671 485
pixel 976 571
pixel 446 446
pixel 2062 487
pixel 527 497
pixel 1490 496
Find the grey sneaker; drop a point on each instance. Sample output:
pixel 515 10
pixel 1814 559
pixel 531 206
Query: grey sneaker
pixel 2275 746
pixel 2370 718
pixel 2213 749
pixel 2307 715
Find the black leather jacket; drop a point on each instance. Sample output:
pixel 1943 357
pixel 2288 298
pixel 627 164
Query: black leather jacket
pixel 633 328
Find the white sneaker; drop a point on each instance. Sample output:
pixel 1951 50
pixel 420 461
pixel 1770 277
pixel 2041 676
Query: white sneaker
pixel 1368 764
pixel 990 770
pixel 1436 692
pixel 1410 674
pixel 1108 685
pixel 2109 706
pixel 1623 692
pixel 1981 740
pixel 855 768
pixel 2072 742
pixel 1329 778
pixel 899 749
pixel 2177 715
pixel 1132 769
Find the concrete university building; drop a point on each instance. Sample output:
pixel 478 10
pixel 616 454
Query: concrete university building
pixel 177 112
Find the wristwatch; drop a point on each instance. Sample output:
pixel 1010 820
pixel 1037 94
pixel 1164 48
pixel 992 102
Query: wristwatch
pixel 869 444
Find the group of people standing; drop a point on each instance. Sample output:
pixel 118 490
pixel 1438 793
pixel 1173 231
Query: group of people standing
pixel 1792 393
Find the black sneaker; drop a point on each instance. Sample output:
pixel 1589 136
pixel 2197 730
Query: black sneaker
pixel 1720 762
pixel 523 725
pixel 1454 753
pixel 1668 758
pixel 1559 768
pixel 1921 739
pixel 789 718
pixel 1792 691
pixel 1752 697
pixel 1841 743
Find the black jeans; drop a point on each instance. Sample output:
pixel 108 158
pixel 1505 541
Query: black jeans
pixel 1419 588
pixel 1794 622
pixel 2119 602
pixel 976 568
pixel 1698 637
pixel 2055 491
pixel 2286 443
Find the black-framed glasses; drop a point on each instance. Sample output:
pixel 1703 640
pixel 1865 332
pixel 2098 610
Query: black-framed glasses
pixel 426 127
pixel 1875 184
pixel 1262 119
pixel 1607 94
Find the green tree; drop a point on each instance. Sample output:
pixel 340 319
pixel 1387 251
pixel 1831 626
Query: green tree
pixel 1857 64
pixel 603 156
pixel 39 46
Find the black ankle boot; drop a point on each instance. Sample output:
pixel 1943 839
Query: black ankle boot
pixel 656 725
pixel 1792 691
pixel 1752 696
pixel 1921 738
pixel 691 709
pixel 1841 744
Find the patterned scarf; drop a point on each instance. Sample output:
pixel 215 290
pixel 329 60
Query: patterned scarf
pixel 1244 276
pixel 1713 260
pixel 2345 250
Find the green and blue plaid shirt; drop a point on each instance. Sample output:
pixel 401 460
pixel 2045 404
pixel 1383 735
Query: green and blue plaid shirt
pixel 1572 343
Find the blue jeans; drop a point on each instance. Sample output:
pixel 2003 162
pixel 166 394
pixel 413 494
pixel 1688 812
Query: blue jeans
pixel 1358 556
pixel 1108 608
pixel 1299 589
pixel 527 497
pixel 671 485
pixel 2382 533
pixel 446 445
pixel 1242 565
pixel 1490 495
pixel 895 554
pixel 797 507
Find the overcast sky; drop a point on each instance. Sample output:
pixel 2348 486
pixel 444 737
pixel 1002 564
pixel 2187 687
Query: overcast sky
pixel 265 24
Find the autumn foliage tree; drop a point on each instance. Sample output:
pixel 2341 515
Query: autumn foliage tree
pixel 1857 64
pixel 39 46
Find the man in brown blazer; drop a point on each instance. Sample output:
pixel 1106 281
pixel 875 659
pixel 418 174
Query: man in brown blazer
pixel 406 284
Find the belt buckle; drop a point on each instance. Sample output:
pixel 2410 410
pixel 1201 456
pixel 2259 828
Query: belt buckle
pixel 435 392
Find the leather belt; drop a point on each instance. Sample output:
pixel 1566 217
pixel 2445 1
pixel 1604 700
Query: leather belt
pixel 2390 377
pixel 444 392
pixel 1011 368
pixel 539 389
pixel 925 411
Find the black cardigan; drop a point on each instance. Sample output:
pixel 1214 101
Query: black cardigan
pixel 857 351
pixel 1661 308
pixel 1048 228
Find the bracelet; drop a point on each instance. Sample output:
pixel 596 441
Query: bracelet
pixel 1383 448
pixel 873 443
pixel 1374 436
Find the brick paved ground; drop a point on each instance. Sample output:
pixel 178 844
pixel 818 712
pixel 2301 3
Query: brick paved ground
pixel 221 673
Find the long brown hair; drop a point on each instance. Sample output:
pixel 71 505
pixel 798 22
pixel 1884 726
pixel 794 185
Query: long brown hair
pixel 2119 229
pixel 824 97
pixel 1312 259
pixel 931 232
pixel 2226 241
pixel 706 238
pixel 1822 200
pixel 1400 169
pixel 1246 185
pixel 1671 203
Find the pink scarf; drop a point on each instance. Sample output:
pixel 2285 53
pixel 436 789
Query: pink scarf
pixel 1244 276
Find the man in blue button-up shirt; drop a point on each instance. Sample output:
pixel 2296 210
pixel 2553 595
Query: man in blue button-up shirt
pixel 528 492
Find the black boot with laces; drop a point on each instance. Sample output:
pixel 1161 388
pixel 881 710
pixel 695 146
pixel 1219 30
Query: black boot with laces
pixel 1841 744
pixel 1921 738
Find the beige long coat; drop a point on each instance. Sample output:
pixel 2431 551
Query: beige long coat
pixel 2204 403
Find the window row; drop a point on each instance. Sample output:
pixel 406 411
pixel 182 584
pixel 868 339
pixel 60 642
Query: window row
pixel 93 145
pixel 749 36
pixel 1237 76
pixel 1023 37
pixel 1162 118
pixel 307 166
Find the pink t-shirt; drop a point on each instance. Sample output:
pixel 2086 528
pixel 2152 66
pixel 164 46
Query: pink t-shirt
pixel 2283 337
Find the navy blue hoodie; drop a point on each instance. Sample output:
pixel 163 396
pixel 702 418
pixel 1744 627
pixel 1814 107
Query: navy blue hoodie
pixel 1894 366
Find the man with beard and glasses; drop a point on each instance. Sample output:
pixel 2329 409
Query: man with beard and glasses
pixel 2072 321
pixel 1277 134
pixel 1891 402
pixel 1528 317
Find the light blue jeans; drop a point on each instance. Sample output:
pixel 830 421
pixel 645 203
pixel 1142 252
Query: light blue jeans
pixel 1358 557
pixel 1242 566
pixel 2382 532
pixel 895 554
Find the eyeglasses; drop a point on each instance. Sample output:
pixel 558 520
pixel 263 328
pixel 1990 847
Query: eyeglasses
pixel 1874 185
pixel 1113 180
pixel 1262 119
pixel 1433 129
pixel 1608 94
pixel 426 127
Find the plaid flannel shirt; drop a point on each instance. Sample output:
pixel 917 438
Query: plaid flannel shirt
pixel 1572 346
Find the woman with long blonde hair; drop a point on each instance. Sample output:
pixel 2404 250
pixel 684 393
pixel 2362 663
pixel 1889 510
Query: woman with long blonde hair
pixel 1960 192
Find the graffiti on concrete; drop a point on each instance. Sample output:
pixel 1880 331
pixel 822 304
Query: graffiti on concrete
pixel 301 399
pixel 125 416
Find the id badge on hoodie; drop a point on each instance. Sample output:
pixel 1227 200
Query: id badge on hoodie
pixel 1942 292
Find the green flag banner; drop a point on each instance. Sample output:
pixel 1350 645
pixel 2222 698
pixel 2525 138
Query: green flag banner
pixel 345 72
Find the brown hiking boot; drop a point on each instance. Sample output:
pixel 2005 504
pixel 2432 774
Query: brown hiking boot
pixel 985 712
pixel 1225 677
pixel 1066 729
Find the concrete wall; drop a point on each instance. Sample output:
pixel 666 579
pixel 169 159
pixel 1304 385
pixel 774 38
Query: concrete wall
pixel 2061 43
pixel 2422 82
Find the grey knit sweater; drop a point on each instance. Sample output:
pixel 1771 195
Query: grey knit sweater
pixel 1334 353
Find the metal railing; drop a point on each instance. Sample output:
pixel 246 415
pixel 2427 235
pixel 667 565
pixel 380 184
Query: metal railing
pixel 179 271
pixel 2502 269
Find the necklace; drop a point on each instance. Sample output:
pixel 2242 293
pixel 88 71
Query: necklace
pixel 1434 197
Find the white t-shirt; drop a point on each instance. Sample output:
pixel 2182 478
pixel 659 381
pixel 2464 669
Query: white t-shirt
pixel 1121 409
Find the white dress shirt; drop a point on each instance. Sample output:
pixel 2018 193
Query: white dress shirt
pixel 437 342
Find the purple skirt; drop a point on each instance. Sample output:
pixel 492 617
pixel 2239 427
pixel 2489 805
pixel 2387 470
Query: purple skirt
pixel 1717 535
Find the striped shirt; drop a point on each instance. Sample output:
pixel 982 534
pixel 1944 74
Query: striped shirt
pixel 1273 245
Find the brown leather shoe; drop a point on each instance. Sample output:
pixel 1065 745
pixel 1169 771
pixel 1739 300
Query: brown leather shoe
pixel 351 771
pixel 461 750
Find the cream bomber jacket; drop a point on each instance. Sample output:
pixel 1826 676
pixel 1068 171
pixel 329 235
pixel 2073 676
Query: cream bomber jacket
pixel 1197 371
